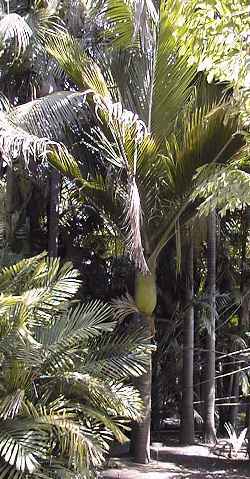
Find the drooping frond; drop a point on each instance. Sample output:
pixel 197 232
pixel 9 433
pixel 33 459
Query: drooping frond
pixel 77 65
pixel 52 115
pixel 112 355
pixel 37 129
pixel 17 32
pixel 120 148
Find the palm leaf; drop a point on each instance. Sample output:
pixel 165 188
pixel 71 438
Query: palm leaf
pixel 117 356
pixel 120 17
pixel 171 75
pixel 74 61
pixel 17 32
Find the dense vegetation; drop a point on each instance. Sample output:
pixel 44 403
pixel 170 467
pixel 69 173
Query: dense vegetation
pixel 124 140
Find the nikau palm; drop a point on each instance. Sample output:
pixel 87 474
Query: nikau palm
pixel 64 368
pixel 154 133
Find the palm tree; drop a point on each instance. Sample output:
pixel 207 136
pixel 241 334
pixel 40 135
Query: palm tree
pixel 151 152
pixel 64 391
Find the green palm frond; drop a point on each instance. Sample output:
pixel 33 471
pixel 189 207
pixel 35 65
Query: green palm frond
pixel 61 343
pixel 77 65
pixel 171 75
pixel 11 404
pixel 120 18
pixel 117 355
pixel 225 188
pixel 121 400
pixel 124 307
pixel 64 391
pixel 15 449
pixel 18 273
pixel 130 22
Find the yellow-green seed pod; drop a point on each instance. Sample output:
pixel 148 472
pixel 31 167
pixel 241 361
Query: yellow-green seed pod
pixel 145 293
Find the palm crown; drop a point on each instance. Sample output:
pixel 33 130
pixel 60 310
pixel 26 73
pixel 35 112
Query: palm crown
pixel 174 125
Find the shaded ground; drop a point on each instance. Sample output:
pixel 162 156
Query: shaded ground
pixel 175 462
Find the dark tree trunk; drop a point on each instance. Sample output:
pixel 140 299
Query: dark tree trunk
pixel 234 409
pixel 187 406
pixel 53 223
pixel 245 272
pixel 209 420
pixel 156 394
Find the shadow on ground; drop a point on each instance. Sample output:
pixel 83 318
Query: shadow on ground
pixel 193 462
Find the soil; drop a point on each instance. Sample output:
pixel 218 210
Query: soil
pixel 176 462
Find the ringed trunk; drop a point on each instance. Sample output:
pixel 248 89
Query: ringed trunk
pixel 54 213
pixel 187 406
pixel 145 298
pixel 209 420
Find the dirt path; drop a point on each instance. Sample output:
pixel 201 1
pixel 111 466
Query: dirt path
pixel 193 462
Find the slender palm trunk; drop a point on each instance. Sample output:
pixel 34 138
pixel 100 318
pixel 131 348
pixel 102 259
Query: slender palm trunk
pixel 145 298
pixel 187 407
pixel 53 223
pixel 234 409
pixel 209 422
pixel 141 433
pixel 10 188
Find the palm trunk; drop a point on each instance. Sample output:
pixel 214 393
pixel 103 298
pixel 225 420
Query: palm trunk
pixel 145 298
pixel 187 407
pixel 10 188
pixel 141 432
pixel 209 423
pixel 53 225
pixel 234 409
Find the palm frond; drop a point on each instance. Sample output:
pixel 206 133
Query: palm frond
pixel 124 306
pixel 226 188
pixel 17 32
pixel 10 404
pixel 17 273
pixel 130 22
pixel 37 129
pixel 171 75
pixel 120 148
pixel 16 142
pixel 52 115
pixel 118 355
pixel 62 395
pixel 120 18
pixel 74 61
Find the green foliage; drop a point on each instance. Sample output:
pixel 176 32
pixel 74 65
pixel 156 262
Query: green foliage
pixel 225 188
pixel 217 37
pixel 64 369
